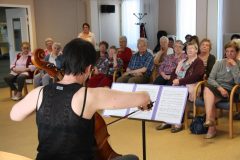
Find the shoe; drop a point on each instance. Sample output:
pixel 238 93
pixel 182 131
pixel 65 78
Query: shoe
pixel 176 128
pixel 163 126
pixel 13 97
pixel 16 98
pixel 209 123
pixel 210 135
pixel 236 116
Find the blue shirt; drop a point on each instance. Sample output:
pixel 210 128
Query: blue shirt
pixel 139 61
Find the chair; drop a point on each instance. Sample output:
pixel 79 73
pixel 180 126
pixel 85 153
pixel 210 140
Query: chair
pixel 116 73
pixel 222 105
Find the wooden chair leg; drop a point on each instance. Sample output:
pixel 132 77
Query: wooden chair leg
pixel 25 89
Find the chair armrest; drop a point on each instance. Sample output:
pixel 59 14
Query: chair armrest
pixel 115 73
pixel 231 99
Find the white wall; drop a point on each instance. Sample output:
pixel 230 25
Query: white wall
pixel 109 23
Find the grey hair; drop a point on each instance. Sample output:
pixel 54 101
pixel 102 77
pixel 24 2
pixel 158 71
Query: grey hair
pixel 57 44
pixel 123 38
pixel 164 38
pixel 144 40
pixel 179 42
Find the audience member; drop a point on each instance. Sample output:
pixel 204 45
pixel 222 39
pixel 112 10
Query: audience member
pixel 165 50
pixel 235 36
pixel 187 40
pixel 86 34
pixel 21 69
pixel 169 64
pixel 103 47
pixel 224 75
pixel 171 42
pixel 159 35
pixel 140 66
pixel 105 67
pixel 54 58
pixel 207 58
pixel 48 44
pixel 188 72
pixel 124 52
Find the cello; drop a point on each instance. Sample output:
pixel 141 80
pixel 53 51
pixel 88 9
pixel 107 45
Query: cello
pixel 104 150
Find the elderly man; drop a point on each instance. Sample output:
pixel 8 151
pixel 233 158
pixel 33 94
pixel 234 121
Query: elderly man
pixel 140 66
pixel 124 52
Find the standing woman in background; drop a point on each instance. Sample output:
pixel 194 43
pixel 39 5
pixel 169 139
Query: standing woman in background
pixel 87 35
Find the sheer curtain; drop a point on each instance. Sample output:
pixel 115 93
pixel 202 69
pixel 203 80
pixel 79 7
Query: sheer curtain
pixel 129 28
pixel 186 18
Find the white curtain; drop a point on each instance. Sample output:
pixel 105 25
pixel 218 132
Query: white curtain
pixel 129 28
pixel 186 18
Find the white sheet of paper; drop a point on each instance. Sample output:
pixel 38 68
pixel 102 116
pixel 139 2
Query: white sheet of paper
pixel 172 104
pixel 153 92
pixel 127 87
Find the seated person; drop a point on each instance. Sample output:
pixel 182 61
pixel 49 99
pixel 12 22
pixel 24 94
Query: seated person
pixel 224 75
pixel 103 47
pixel 124 52
pixel 104 69
pixel 140 66
pixel 159 35
pixel 188 72
pixel 48 44
pixel 164 50
pixel 43 78
pixel 171 42
pixel 169 64
pixel 207 58
pixel 21 69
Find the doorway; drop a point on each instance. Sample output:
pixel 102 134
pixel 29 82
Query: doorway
pixel 14 29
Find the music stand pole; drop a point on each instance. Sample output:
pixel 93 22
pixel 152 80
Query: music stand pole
pixel 144 139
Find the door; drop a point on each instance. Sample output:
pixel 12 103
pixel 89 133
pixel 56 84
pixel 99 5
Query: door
pixel 17 27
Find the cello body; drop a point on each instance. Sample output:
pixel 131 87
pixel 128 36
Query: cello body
pixel 104 150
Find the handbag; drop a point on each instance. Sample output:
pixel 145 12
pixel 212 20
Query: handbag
pixel 197 127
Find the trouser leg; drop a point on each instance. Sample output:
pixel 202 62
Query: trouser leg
pixel 10 79
pixel 20 81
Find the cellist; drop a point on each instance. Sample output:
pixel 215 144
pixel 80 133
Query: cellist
pixel 65 110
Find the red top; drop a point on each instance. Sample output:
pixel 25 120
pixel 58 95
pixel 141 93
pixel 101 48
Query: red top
pixel 125 56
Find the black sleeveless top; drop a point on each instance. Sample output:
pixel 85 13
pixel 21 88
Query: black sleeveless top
pixel 62 134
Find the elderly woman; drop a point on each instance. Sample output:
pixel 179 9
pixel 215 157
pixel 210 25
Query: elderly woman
pixel 188 72
pixel 55 58
pixel 158 59
pixel 124 52
pixel 169 64
pixel 224 75
pixel 207 58
pixel 21 69
pixel 140 66
pixel 105 67
pixel 103 47
pixel 48 44
pixel 86 34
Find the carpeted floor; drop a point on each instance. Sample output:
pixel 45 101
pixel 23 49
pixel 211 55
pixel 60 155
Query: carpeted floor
pixel 125 137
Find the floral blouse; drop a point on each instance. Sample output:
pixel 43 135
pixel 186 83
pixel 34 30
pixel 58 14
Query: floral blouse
pixel 105 65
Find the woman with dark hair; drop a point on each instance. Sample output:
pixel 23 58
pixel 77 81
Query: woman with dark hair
pixel 207 58
pixel 224 75
pixel 65 110
pixel 86 34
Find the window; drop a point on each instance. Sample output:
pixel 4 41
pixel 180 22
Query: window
pixel 129 28
pixel 186 18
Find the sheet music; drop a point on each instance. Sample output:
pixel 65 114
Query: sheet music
pixel 127 87
pixel 153 91
pixel 172 104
